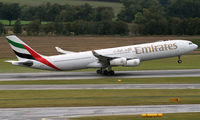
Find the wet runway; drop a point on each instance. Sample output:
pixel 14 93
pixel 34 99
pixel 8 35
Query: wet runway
pixel 93 75
pixel 61 113
pixel 100 86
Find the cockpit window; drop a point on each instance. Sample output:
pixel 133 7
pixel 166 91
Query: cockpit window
pixel 190 43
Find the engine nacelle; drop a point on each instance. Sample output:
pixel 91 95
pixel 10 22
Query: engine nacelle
pixel 118 62
pixel 132 63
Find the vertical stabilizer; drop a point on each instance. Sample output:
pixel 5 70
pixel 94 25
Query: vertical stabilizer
pixel 21 49
pixel 24 52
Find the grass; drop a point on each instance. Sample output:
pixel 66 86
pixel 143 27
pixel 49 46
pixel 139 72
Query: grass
pixel 189 62
pixel 169 116
pixel 177 80
pixel 116 6
pixel 69 98
pixel 6 22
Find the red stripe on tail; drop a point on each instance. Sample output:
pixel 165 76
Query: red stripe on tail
pixel 39 58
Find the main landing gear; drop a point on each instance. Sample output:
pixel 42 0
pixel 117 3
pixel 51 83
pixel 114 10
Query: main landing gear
pixel 103 71
pixel 179 59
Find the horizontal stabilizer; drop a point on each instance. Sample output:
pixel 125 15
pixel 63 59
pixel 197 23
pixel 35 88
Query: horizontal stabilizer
pixel 63 51
pixel 23 63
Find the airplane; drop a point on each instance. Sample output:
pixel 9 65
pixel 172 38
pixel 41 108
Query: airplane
pixel 103 59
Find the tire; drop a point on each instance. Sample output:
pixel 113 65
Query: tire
pixel 98 71
pixel 111 72
pixel 105 72
pixel 179 61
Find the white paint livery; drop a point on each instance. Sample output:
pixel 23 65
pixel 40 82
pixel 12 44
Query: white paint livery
pixel 105 58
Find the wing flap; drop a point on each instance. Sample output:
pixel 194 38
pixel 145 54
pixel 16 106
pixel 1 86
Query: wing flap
pixel 104 60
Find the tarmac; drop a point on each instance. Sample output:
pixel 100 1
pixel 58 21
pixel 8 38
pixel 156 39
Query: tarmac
pixel 100 86
pixel 62 113
pixel 93 75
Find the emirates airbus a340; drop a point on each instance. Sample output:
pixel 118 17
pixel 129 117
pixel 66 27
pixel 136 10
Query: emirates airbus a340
pixel 102 59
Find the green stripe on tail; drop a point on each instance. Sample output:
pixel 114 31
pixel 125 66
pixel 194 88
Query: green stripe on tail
pixel 16 44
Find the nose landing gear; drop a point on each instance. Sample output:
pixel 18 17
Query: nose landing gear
pixel 179 59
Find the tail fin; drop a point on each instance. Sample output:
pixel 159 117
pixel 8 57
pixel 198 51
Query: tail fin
pixel 25 53
pixel 21 49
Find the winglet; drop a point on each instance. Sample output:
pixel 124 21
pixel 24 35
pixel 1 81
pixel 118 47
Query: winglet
pixel 101 57
pixel 95 54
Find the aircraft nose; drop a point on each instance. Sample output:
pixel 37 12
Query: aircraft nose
pixel 195 46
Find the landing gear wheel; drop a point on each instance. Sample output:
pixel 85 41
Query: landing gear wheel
pixel 179 61
pixel 111 72
pixel 105 72
pixel 99 71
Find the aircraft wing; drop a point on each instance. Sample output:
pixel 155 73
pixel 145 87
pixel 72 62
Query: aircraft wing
pixel 104 60
pixel 63 51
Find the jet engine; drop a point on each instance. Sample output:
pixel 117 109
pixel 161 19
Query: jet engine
pixel 125 62
pixel 118 62
pixel 132 63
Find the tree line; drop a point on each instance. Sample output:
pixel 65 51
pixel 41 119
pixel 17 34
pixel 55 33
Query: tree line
pixel 162 17
pixel 55 12
pixel 79 27
pixel 105 0
pixel 142 17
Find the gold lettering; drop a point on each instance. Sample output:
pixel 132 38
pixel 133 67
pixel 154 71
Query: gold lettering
pixel 165 47
pixel 156 48
pixel 162 48
pixel 152 48
pixel 170 46
pixel 147 49
pixel 175 46
pixel 137 50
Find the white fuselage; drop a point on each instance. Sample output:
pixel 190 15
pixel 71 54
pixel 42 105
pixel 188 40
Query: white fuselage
pixel 148 51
